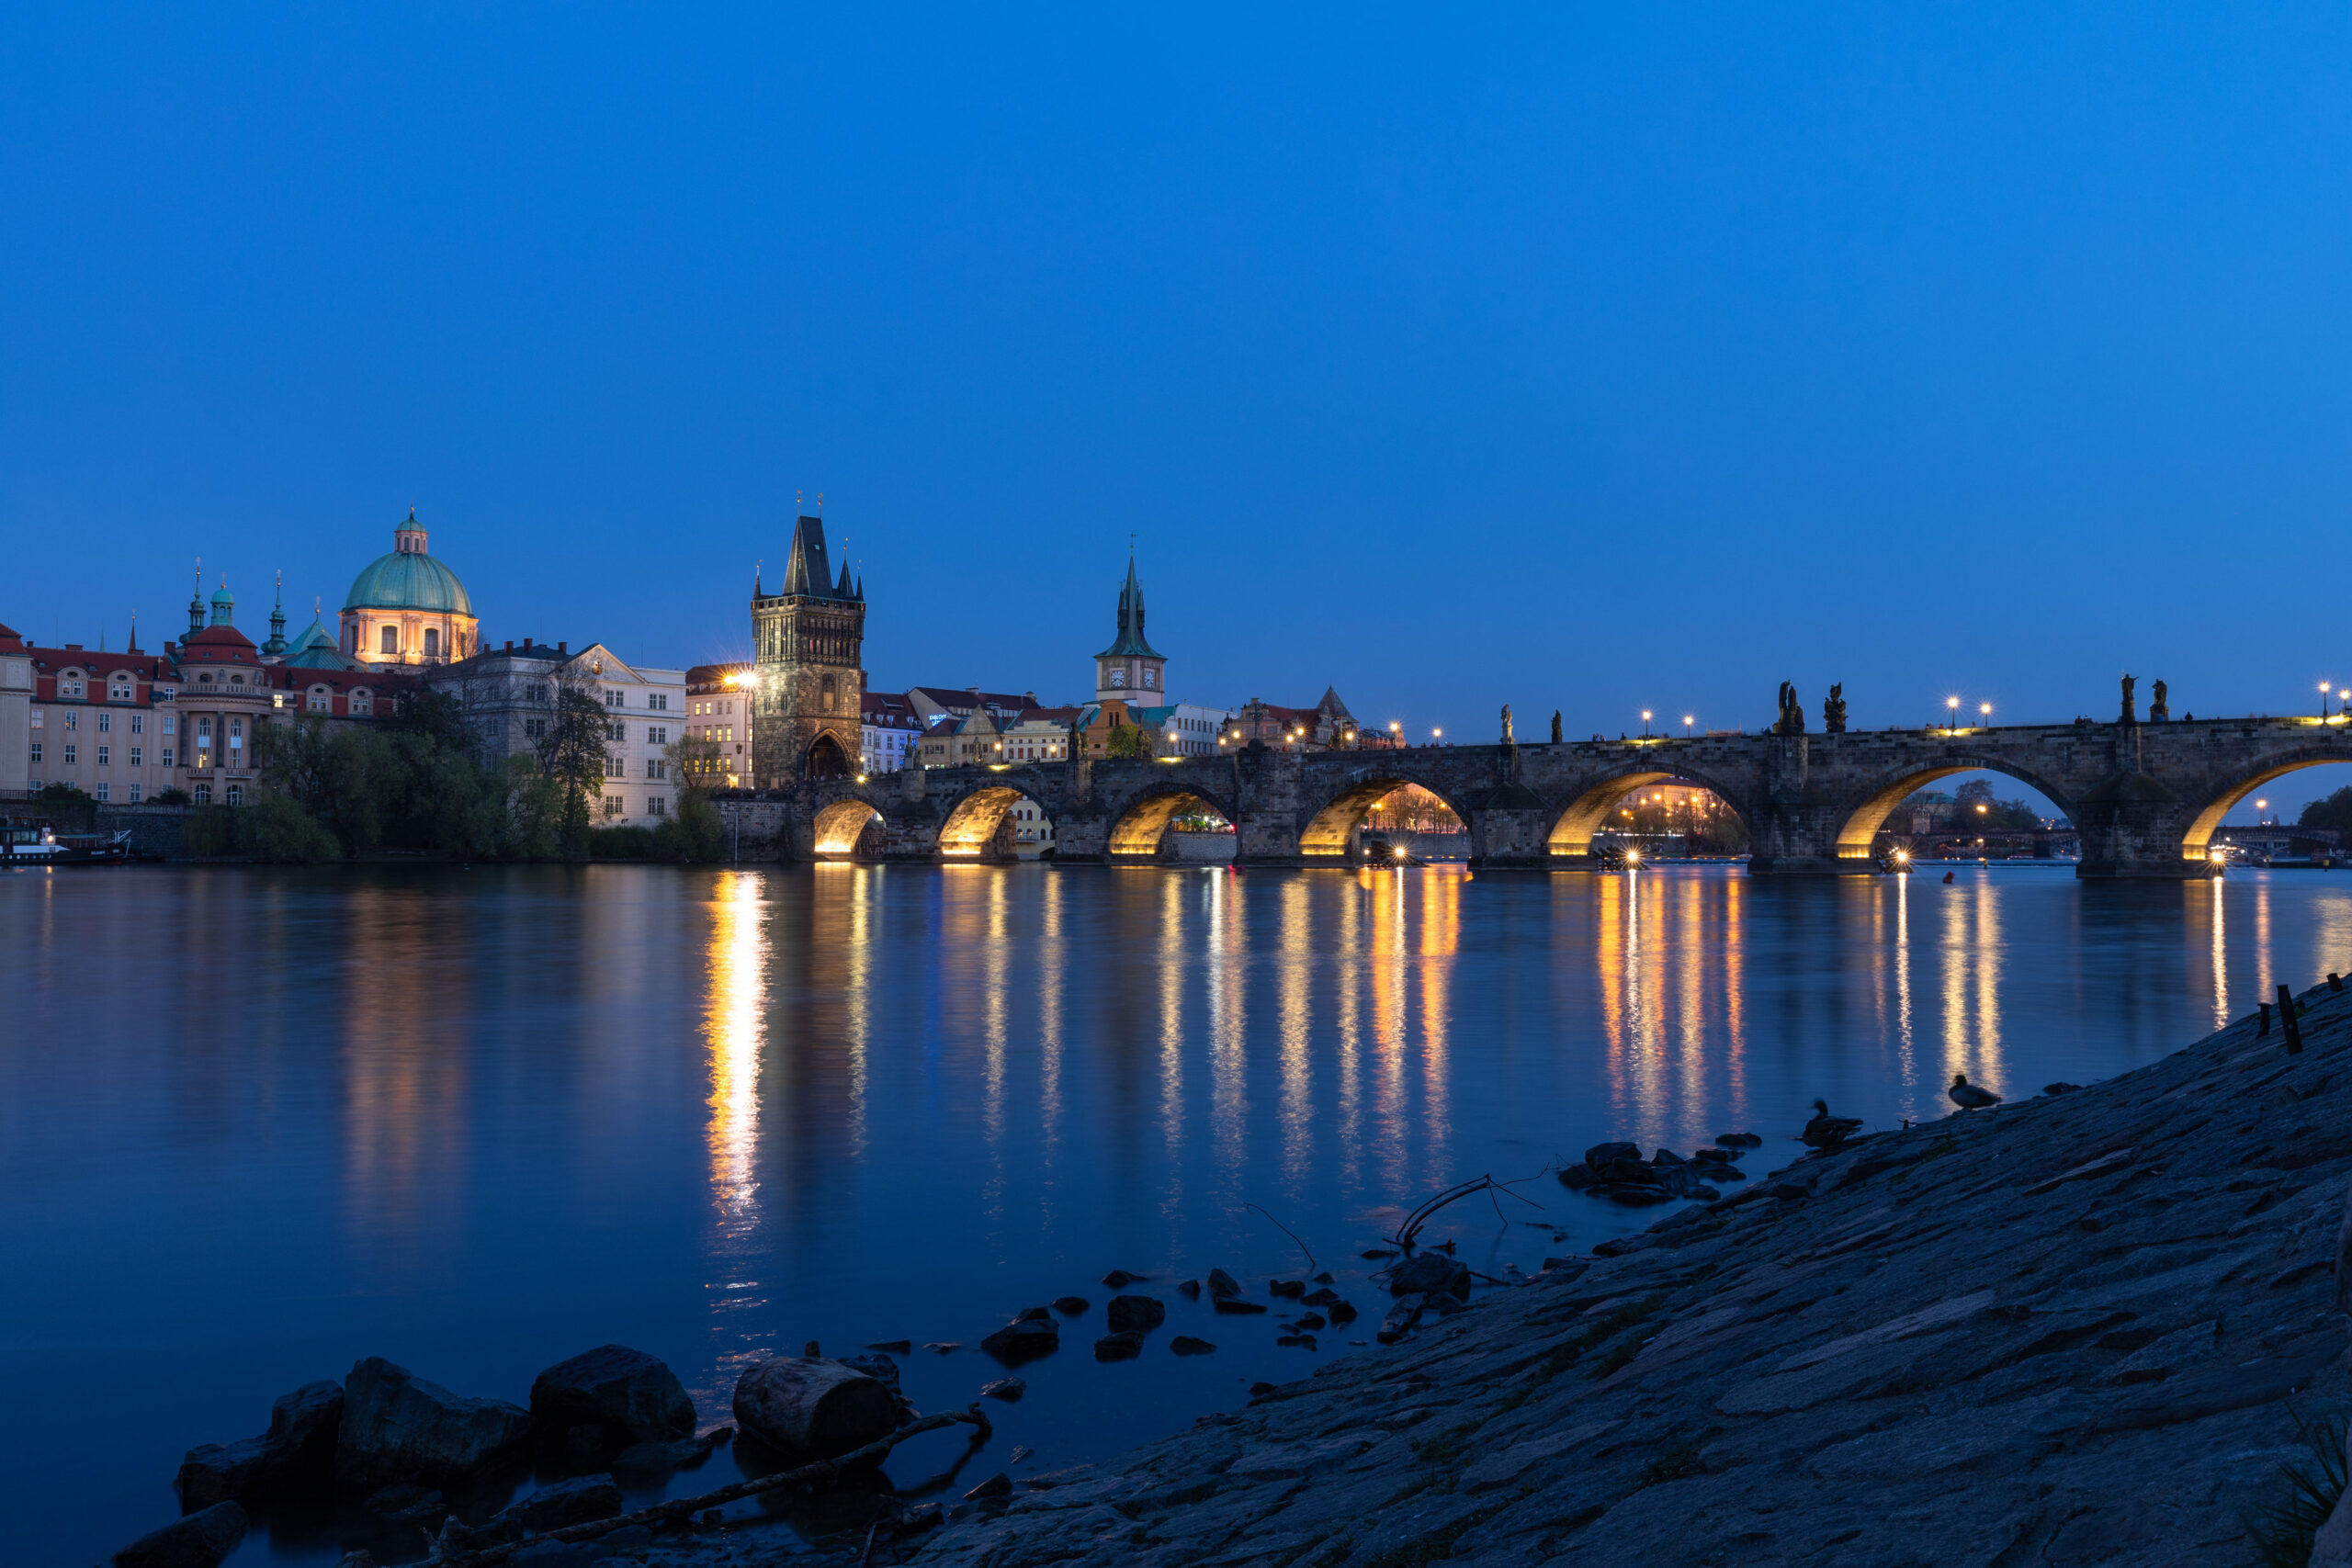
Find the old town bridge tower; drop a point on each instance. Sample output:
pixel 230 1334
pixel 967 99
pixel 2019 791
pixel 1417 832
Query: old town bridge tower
pixel 811 681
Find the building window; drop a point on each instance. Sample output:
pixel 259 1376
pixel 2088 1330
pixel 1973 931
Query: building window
pixel 137 723
pixel 615 699
pixel 135 756
pixel 69 753
pixel 165 694
pixel 103 791
pixel 171 723
pixel 362 703
pixel 658 701
pixel 120 694
pixel 204 795
pixel 535 691
pixel 657 767
pixel 105 723
pixel 432 642
pixel 236 739
pixel 104 756
pixel 236 794
pixel 36 718
pixel 657 735
pixel 236 680
pixel 133 796
pixel 391 640
pixel 320 701
pixel 656 805
pixel 534 729
pixel 36 752
pixel 167 756
pixel 72 721
pixel 616 767
pixel 612 806
pixel 73 688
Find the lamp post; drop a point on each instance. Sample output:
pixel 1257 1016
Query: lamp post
pixel 1951 725
pixel 1985 710
pixel 1686 727
pixel 1645 724
pixel 2324 687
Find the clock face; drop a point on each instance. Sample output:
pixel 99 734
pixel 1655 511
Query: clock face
pixel 1118 677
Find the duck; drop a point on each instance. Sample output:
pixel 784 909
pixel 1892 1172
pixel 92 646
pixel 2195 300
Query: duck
pixel 1826 1132
pixel 1968 1096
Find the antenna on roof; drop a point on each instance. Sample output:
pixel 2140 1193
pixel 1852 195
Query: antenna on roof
pixel 820 504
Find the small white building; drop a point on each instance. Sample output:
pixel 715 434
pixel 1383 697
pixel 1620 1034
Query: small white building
pixel 508 695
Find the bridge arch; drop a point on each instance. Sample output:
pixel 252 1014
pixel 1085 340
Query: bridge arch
pixel 1328 830
pixel 973 826
pixel 835 830
pixel 1573 829
pixel 1140 828
pixel 1864 819
pixel 2197 842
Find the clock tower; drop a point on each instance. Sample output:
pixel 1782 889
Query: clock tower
pixel 1130 668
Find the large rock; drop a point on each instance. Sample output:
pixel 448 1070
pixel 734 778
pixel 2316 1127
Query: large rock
pixel 553 1507
pixel 201 1541
pixel 633 1396
pixel 805 1405
pixel 1602 1153
pixel 1428 1272
pixel 397 1427
pixel 1135 1311
pixel 294 1458
pixel 1023 1341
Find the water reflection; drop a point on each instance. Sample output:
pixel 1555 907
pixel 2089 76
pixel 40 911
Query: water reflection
pixel 720 1112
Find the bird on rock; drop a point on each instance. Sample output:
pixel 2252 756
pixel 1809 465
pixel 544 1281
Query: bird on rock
pixel 1826 1132
pixel 1968 1096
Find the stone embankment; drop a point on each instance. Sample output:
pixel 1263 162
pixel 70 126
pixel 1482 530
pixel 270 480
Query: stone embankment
pixel 2082 1329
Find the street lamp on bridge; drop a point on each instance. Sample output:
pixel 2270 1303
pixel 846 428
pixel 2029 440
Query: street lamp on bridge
pixel 1985 710
pixel 1645 724
pixel 1952 727
pixel 2324 687
pixel 1686 727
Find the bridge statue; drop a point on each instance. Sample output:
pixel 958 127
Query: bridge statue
pixel 1508 740
pixel 1555 726
pixel 1791 719
pixel 2158 711
pixel 2131 714
pixel 1832 709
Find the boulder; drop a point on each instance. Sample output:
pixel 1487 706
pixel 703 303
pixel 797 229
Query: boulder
pixel 1300 1341
pixel 1291 1289
pixel 1400 1319
pixel 1636 1172
pixel 553 1507
pixel 397 1427
pixel 1186 1345
pixel 1033 1314
pixel 1341 1313
pixel 1577 1175
pixel 1122 1347
pixel 1006 1388
pixel 294 1458
pixel 203 1540
pixel 1602 1153
pixel 1222 1285
pixel 646 1460
pixel 1071 1306
pixel 813 1407
pixel 1429 1271
pixel 1190 1290
pixel 1325 1297
pixel 1024 1340
pixel 1667 1157
pixel 1237 1308
pixel 995 1487
pixel 405 1503
pixel 1119 1279
pixel 1739 1140
pixel 627 1392
pixel 1135 1313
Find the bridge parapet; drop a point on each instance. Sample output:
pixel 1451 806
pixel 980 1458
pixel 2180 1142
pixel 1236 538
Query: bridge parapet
pixel 2144 797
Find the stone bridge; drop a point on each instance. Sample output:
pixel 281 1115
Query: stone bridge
pixel 2145 799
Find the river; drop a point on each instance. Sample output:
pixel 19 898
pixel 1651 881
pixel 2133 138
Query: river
pixel 256 1124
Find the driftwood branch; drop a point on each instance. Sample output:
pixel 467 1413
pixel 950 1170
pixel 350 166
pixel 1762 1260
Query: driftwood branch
pixel 1289 1233
pixel 1455 1194
pixel 676 1508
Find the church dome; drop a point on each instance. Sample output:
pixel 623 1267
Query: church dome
pixel 409 579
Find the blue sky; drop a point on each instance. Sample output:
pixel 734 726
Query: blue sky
pixel 1563 357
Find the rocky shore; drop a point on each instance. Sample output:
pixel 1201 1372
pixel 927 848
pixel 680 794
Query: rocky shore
pixel 2099 1326
pixel 2089 1328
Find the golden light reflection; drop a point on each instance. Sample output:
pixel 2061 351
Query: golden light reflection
pixel 1293 983
pixel 734 1035
pixel 1441 939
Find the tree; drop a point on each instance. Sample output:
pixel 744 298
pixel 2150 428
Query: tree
pixel 2329 811
pixel 1127 740
pixel 572 754
pixel 694 832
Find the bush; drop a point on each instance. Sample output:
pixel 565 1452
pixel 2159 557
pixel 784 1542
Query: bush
pixel 275 827
pixel 620 843
pixel 171 797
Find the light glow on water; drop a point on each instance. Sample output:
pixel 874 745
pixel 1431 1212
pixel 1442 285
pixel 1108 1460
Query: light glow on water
pixel 480 1120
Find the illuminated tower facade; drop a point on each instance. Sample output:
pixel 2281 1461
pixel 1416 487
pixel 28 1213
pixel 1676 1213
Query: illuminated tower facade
pixel 809 668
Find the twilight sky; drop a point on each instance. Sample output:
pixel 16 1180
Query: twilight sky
pixel 1551 356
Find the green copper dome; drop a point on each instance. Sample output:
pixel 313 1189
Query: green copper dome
pixel 409 579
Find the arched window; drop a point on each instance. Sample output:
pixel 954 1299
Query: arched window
pixel 830 693
pixel 432 642
pixel 391 643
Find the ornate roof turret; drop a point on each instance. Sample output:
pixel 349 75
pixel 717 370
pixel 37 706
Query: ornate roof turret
pixel 225 604
pixel 195 601
pixel 1130 643
pixel 410 578
pixel 277 643
pixel 808 574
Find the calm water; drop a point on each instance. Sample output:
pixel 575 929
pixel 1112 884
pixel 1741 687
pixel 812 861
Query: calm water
pixel 256 1124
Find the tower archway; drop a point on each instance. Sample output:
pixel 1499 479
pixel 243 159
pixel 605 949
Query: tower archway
pixel 827 760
